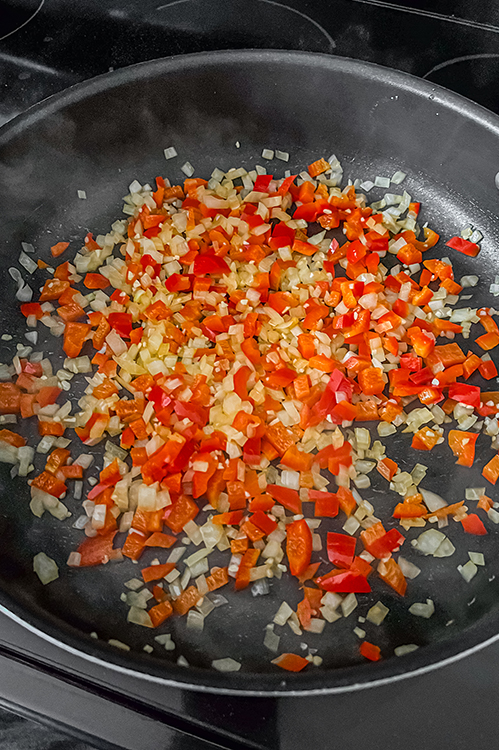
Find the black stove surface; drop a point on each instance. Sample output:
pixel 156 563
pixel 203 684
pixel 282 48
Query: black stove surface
pixel 46 46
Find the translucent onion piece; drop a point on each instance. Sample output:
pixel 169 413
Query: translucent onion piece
pixel 45 568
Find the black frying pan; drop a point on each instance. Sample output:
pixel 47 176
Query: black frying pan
pixel 98 137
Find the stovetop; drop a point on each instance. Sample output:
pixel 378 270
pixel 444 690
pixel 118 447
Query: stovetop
pixel 48 45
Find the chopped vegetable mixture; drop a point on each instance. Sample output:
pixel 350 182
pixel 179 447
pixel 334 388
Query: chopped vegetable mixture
pixel 235 335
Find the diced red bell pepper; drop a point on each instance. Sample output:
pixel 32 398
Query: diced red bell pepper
pixel 334 458
pixel 95 281
pixel 134 545
pixel 158 539
pixel 462 444
pixel 409 510
pixel 53 289
pixel 10 398
pixel 381 543
pixel 71 312
pixel 318 167
pixel 296 459
pixel 348 582
pixel 286 184
pixel 423 342
pixel 464 246
pixel 240 382
pixel 187 599
pixel 263 522
pixel 230 518
pixel 155 572
pixel 249 561
pixel 160 612
pixel 75 335
pixel 12 438
pixel 58 249
pixel 287 497
pixel 193 412
pixel 326 503
pixel 219 577
pixel 177 283
pixel 56 460
pixel 262 183
pixel 491 470
pixel 252 451
pixel 389 571
pixel 121 323
pixel 280 378
pixel 387 468
pixel 291 662
pixel 201 479
pixel 251 350
pixel 370 651
pixel 49 483
pixel 298 546
pixel 346 500
pixel 210 264
pixel 487 369
pixel 410 362
pixel 50 428
pixel 32 308
pixel 488 341
pixel 280 437
pixel 182 510
pixel 340 549
pixel 97 550
pixel 472 524
pixel 425 439
pixel 465 394
pixel 371 381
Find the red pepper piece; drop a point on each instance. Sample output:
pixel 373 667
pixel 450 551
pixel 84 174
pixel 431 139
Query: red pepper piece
pixel 370 651
pixel 345 583
pixel 97 550
pixel 298 546
pixel 285 496
pixel 341 549
pixel 472 524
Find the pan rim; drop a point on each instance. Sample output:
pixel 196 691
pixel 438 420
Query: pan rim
pixel 207 681
pixel 112 79
pixel 285 686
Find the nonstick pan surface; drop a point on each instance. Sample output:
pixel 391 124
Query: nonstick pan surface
pixel 102 134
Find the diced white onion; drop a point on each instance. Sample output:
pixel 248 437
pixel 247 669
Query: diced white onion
pixel 283 614
pixel 419 609
pixel 226 665
pixel 429 541
pixel 45 568
pixel 468 570
pixel 74 560
pixel 408 568
pixel 377 613
pixel 139 616
pixel 432 501
pixel 477 558
pixel 195 620
pixel 187 169
pixel 445 549
pixel 406 649
pixel 348 604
